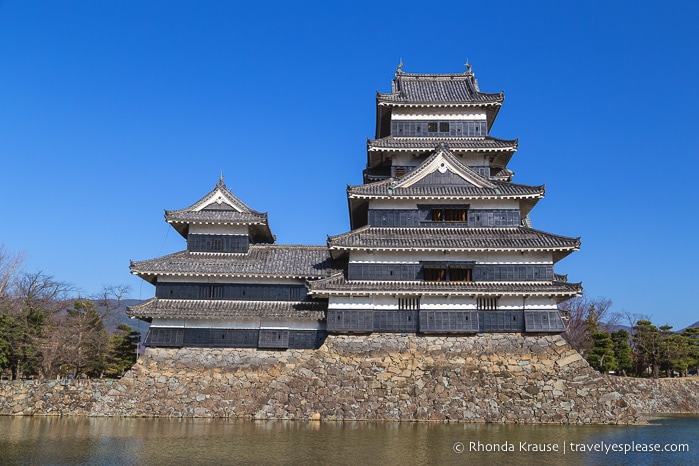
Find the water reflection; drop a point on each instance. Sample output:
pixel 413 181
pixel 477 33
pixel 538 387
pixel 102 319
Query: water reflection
pixel 126 441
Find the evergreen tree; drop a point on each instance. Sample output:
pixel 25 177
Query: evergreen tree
pixel 601 354
pixel 622 352
pixel 647 348
pixel 691 334
pixel 122 350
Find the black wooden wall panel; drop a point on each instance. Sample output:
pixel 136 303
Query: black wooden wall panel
pixel 218 243
pixel 235 338
pixel 395 217
pixel 423 217
pixel 166 337
pixel 396 321
pixel 359 321
pixel 512 273
pixel 543 321
pixel 273 338
pixel 437 178
pixel 221 338
pixel 421 128
pixel 494 218
pixel 481 273
pixel 306 339
pixel 483 171
pixel 390 272
pixel 451 321
pixel 231 291
pixel 501 321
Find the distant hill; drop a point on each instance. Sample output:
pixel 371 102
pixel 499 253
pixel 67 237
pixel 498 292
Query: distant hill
pixel 118 316
pixel 616 327
pixel 694 325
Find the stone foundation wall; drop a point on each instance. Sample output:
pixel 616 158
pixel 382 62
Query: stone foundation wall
pixel 660 396
pixel 491 378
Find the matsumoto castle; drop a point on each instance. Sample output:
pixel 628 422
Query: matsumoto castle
pixel 440 242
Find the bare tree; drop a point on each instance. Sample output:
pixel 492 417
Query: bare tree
pixel 35 300
pixel 585 316
pixel 9 267
pixel 55 346
pixel 109 299
pixel 89 339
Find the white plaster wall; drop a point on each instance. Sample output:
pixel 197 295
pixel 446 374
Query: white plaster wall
pixel 291 325
pixel 412 257
pixel 412 113
pixel 447 303
pixel 346 302
pixel 540 302
pixel 402 159
pixel 441 303
pixel 519 302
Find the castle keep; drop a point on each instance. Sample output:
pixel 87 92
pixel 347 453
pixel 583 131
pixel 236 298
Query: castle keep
pixel 440 243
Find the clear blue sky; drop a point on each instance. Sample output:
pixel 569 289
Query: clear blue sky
pixel 111 111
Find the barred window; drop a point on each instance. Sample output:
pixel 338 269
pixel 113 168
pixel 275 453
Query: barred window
pixel 435 274
pixel 460 275
pixel 454 215
pixel 449 214
pixel 217 244
pixel 211 292
pixel 409 304
pixel 487 304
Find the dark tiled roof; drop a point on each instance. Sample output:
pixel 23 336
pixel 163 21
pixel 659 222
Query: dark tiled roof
pixel 223 309
pixel 486 144
pixel 437 88
pixel 221 206
pixel 260 261
pixel 217 216
pixel 227 198
pixel 445 238
pixel 478 186
pixel 338 285
pixel 502 189
pixel 503 174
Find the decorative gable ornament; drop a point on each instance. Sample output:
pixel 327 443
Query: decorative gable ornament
pixel 442 161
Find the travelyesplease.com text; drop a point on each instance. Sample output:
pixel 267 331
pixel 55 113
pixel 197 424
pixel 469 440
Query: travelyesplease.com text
pixel 569 447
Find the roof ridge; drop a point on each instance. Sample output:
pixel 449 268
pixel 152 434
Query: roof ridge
pixel 287 246
pixel 204 201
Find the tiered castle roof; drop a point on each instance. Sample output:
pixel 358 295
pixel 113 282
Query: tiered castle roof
pixel 437 90
pixel 261 261
pixel 339 285
pixel 221 207
pixel 474 239
pixel 228 309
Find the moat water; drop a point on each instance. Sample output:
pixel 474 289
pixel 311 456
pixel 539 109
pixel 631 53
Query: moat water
pixel 137 441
